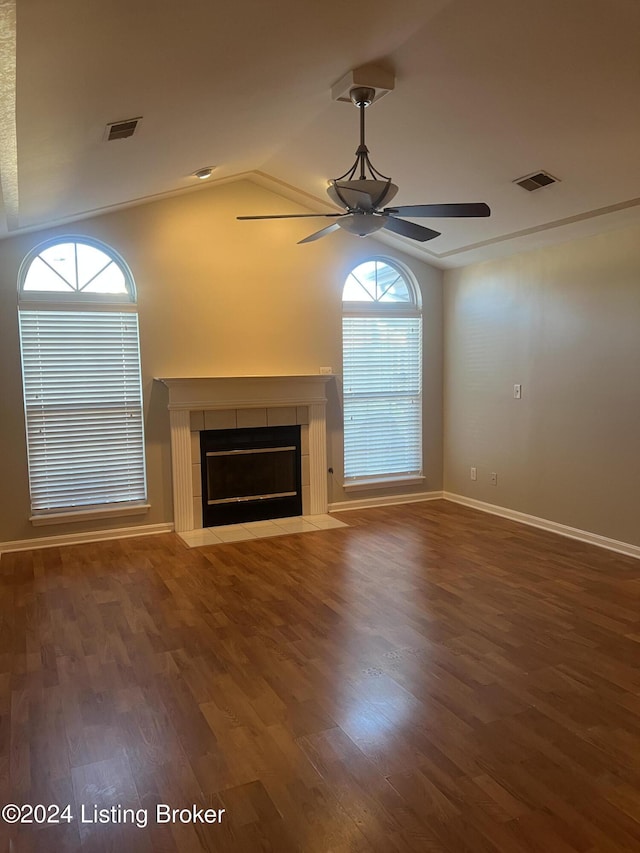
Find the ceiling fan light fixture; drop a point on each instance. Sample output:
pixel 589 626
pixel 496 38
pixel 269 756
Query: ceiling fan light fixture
pixel 361 224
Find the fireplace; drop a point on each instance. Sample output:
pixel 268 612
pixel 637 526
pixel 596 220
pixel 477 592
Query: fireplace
pixel 197 404
pixel 250 474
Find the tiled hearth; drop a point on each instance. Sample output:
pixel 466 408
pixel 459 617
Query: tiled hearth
pixel 228 402
pixel 259 530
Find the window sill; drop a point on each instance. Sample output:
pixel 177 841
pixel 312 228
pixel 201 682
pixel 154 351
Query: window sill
pixel 89 514
pixel 382 483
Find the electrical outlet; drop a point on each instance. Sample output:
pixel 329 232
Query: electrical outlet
pixel 494 478
pixel 517 392
pixel 474 474
pixel 326 371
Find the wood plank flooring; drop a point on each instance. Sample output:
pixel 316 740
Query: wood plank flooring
pixel 427 679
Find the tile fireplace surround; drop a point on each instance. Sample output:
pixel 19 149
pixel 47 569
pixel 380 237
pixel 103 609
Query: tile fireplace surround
pixel 221 402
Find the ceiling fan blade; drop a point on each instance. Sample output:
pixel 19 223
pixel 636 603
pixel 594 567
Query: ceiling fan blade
pixel 409 229
pixel 291 216
pixel 318 234
pixel 478 208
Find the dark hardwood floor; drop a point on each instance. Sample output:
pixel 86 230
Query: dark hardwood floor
pixel 428 679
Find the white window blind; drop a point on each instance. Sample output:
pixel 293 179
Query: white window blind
pixel 382 380
pixel 83 405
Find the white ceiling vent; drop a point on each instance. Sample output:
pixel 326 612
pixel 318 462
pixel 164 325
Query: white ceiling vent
pixel 535 181
pixel 121 129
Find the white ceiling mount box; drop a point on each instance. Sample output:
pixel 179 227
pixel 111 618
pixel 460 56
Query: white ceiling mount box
pixel 371 76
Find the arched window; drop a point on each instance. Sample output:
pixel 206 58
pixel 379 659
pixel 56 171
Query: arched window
pixel 382 375
pixel 81 377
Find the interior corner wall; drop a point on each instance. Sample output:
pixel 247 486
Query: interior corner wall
pixel 215 297
pixel 564 322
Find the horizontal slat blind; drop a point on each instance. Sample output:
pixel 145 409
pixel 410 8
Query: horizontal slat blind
pixel 83 403
pixel 382 375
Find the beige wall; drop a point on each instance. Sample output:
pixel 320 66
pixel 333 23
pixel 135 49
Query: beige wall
pixel 221 297
pixel 216 297
pixel 565 323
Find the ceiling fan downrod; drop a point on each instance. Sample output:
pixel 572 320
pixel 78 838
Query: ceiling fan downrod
pixel 362 97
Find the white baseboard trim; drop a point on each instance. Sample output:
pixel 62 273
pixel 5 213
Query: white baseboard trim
pixel 88 536
pixel 385 500
pixel 344 506
pixel 544 524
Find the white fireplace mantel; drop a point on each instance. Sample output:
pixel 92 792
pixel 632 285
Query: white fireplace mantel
pixel 218 393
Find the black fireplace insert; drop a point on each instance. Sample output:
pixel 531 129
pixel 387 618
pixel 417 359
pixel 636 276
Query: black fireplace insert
pixel 250 474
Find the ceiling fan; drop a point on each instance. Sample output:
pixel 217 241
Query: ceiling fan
pixel 362 197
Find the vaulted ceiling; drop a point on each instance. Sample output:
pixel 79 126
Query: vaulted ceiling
pixel 485 92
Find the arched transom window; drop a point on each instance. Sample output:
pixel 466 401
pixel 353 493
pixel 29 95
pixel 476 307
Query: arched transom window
pixel 382 375
pixel 377 282
pixel 75 269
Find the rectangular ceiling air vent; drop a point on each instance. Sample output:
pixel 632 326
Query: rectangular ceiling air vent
pixel 536 181
pixel 121 129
